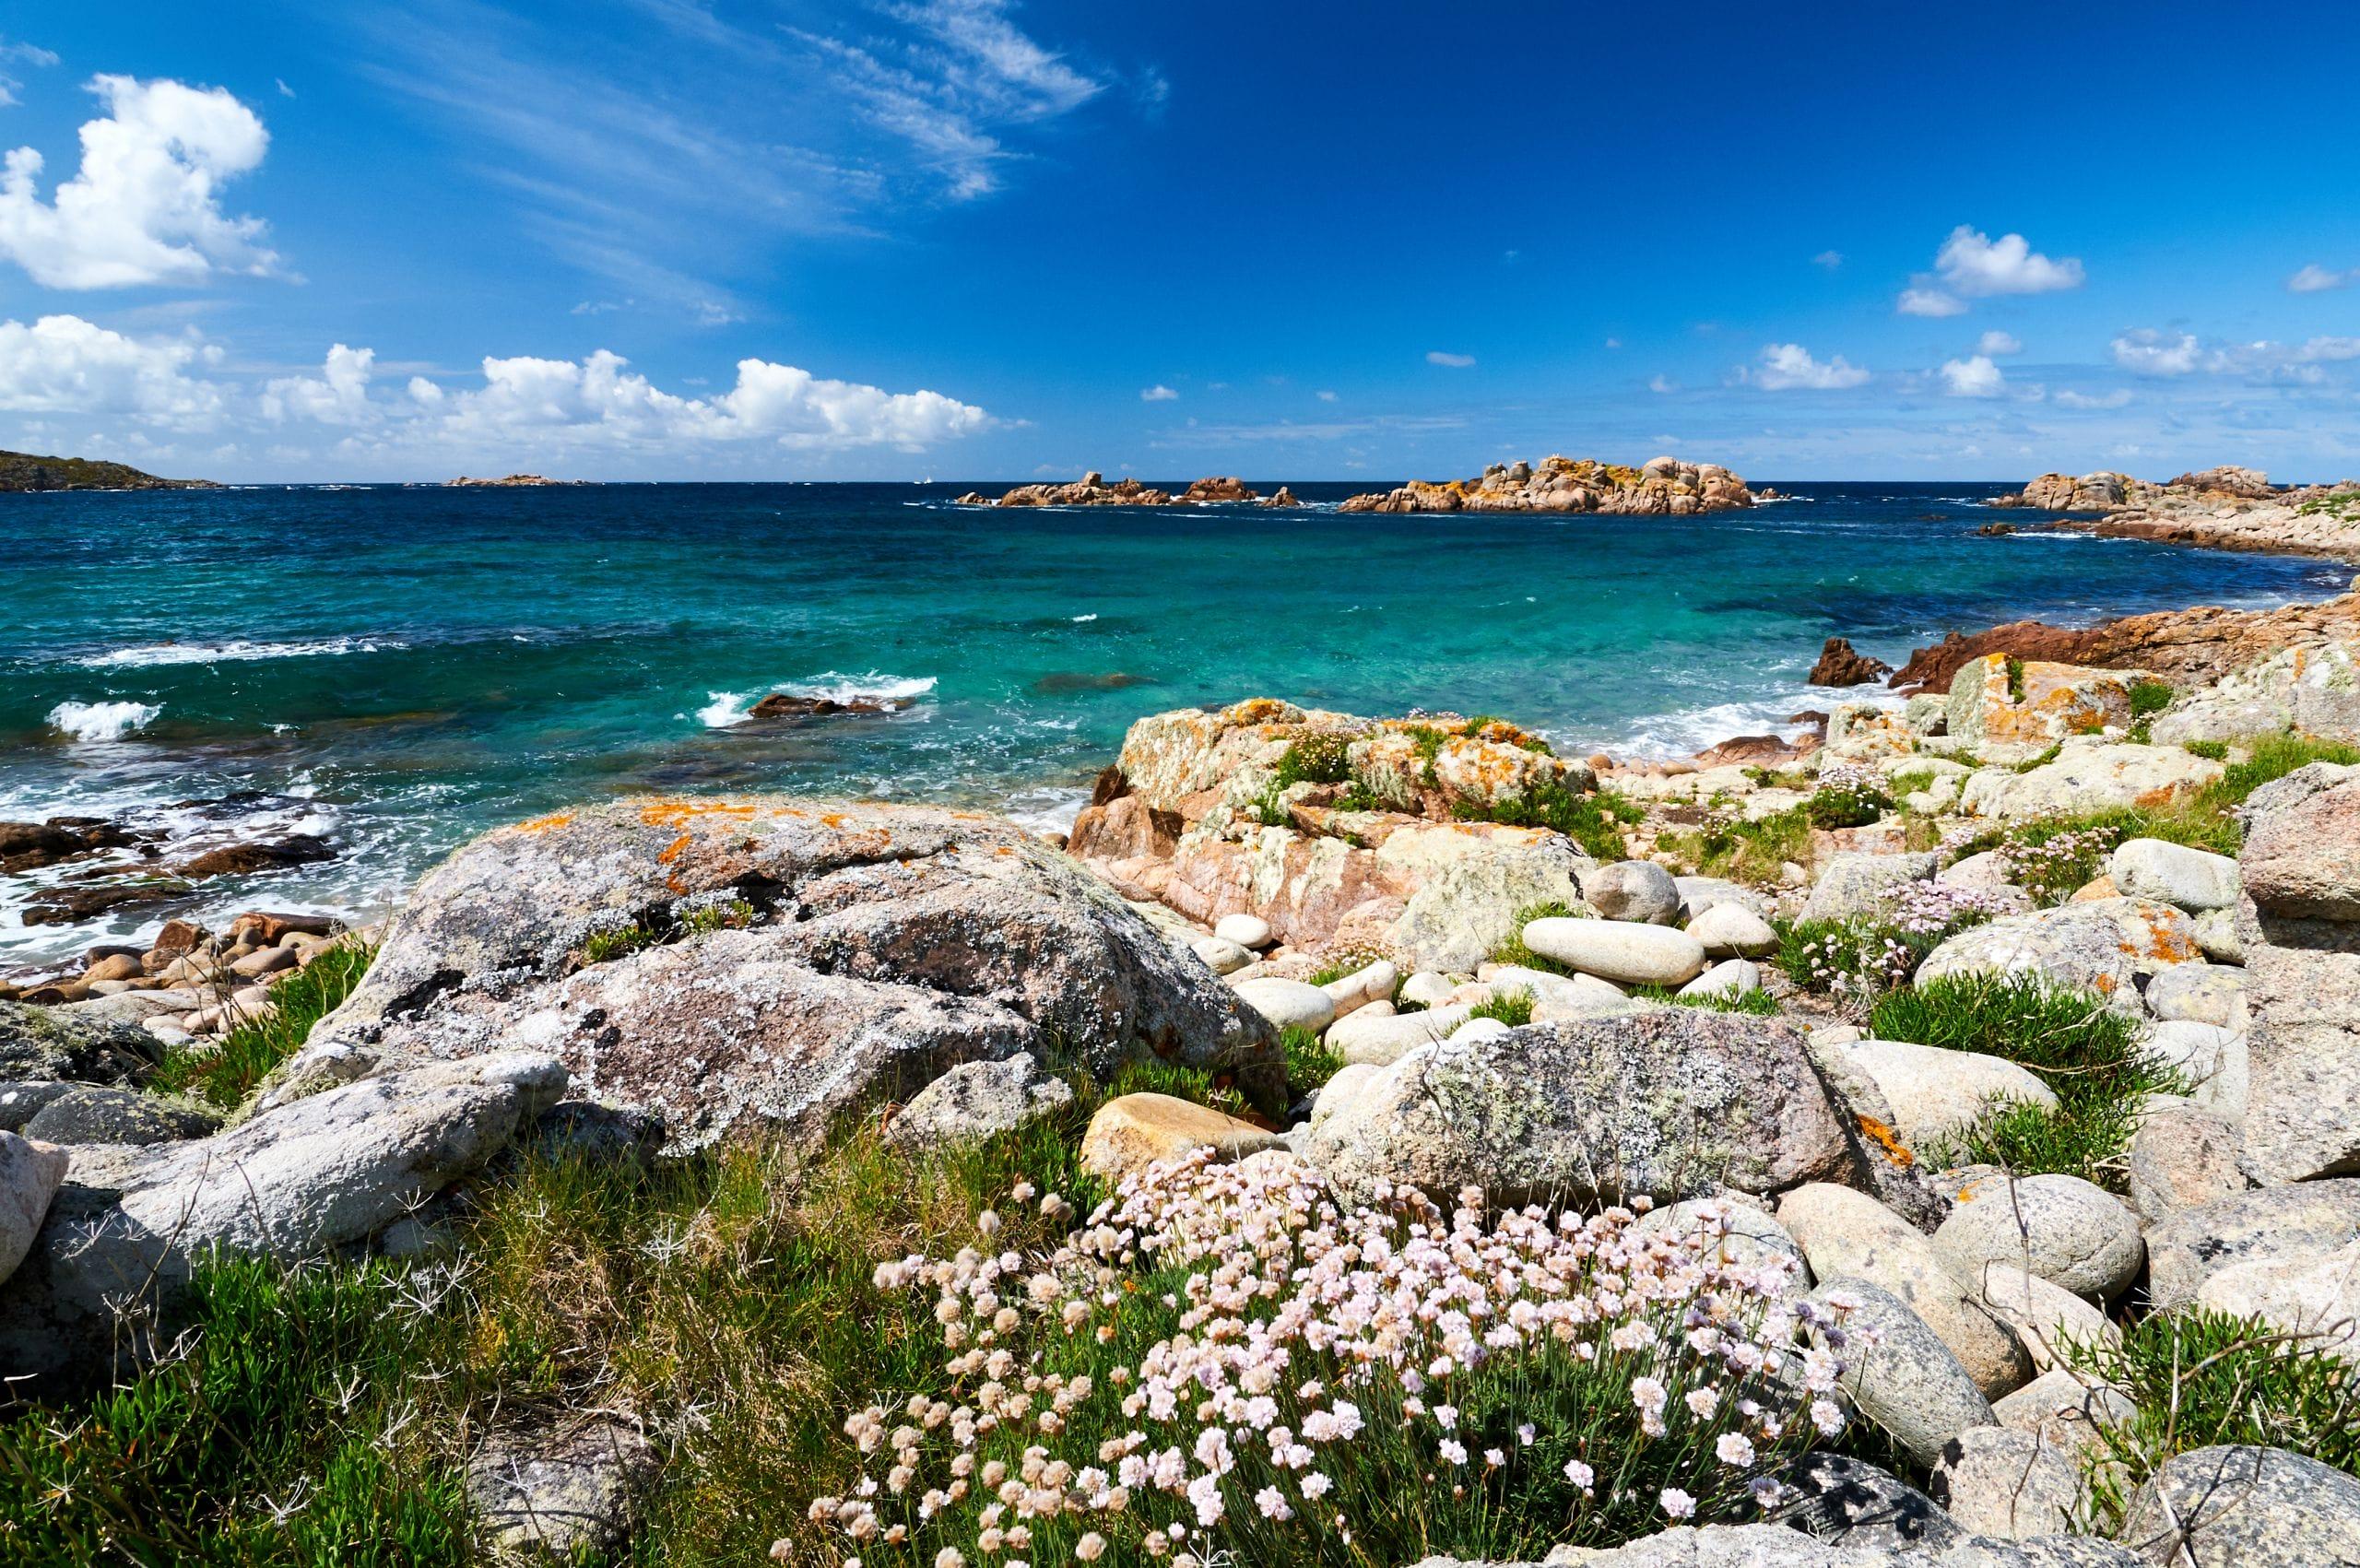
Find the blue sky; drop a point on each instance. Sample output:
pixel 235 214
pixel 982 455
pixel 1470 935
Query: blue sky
pixel 980 239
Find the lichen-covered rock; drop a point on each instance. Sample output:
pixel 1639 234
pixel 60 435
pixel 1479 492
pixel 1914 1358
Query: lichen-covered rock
pixel 1938 1092
pixel 2319 1300
pixel 2301 859
pixel 2182 1157
pixel 2215 1064
pixel 1852 1503
pixel 2103 945
pixel 2295 1227
pixel 2192 879
pixel 881 946
pixel 1848 1234
pixel 2088 774
pixel 1668 1103
pixel 2199 993
pixel 52 1043
pixel 558 1495
pixel 2009 710
pixel 976 1101
pixel 98 1113
pixel 1856 884
pixel 2314 688
pixel 2242 1505
pixel 1470 891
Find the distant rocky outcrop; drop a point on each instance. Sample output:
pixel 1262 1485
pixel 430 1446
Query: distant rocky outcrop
pixel 2107 490
pixel 22 471
pixel 2185 648
pixel 511 481
pixel 1661 487
pixel 1091 490
pixel 2225 508
pixel 1840 664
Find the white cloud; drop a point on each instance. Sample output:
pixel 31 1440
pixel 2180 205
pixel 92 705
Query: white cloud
pixel 1973 266
pixel 1978 377
pixel 1929 302
pixel 145 206
pixel 1159 392
pixel 1614 343
pixel 31 55
pixel 2314 279
pixel 1997 342
pixel 2118 398
pixel 1831 260
pixel 1661 382
pixel 67 365
pixel 2150 353
pixel 1455 362
pixel 1786 366
pixel 1325 396
pixel 337 395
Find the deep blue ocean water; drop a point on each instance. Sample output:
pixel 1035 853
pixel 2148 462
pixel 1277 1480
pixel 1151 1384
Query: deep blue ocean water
pixel 398 667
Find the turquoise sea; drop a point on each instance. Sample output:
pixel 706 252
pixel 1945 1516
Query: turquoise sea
pixel 397 668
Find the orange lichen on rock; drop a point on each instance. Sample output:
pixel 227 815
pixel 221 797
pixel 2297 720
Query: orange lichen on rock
pixel 549 824
pixel 681 813
pixel 1886 1140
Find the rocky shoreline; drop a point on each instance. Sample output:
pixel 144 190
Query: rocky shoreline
pixel 2226 508
pixel 1091 490
pixel 1660 486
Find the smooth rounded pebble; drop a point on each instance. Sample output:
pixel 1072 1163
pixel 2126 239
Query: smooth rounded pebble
pixel 1631 890
pixel 1289 1004
pixel 1224 955
pixel 1731 1232
pixel 1936 1093
pixel 2192 879
pixel 1731 977
pixel 1245 930
pixel 2199 993
pixel 2042 1317
pixel 1620 950
pixel 1428 989
pixel 1732 930
pixel 2070 1232
pixel 2067 1409
pixel 1383 1038
pixel 1373 983
pixel 1133 1131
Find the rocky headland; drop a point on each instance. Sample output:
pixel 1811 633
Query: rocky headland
pixel 24 471
pixel 1091 490
pixel 2225 508
pixel 1660 486
pixel 510 481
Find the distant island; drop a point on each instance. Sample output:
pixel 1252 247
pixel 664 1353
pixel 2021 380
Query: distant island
pixel 23 471
pixel 513 481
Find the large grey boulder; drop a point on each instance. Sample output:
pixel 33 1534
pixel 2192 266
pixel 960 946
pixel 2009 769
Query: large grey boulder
pixel 2301 858
pixel 2181 1157
pixel 52 1043
pixel 29 1175
pixel 2070 1232
pixel 883 945
pixel 1468 894
pixel 2318 1299
pixel 2302 1110
pixel 1631 890
pixel 1850 1235
pixel 2293 1227
pixel 2215 1064
pixel 1856 884
pixel 292 1183
pixel 1666 1102
pixel 1908 1383
pixel 100 1114
pixel 976 1101
pixel 2241 1508
pixel 1996 1481
pixel 1627 953
pixel 2108 945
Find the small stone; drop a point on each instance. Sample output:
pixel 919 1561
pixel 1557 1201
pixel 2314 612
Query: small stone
pixel 563 1495
pixel 1134 1131
pixel 1732 930
pixel 1631 890
pixel 2066 1410
pixel 1428 989
pixel 1371 983
pixel 2042 1316
pixel 976 1101
pixel 1289 1004
pixel 1223 955
pixel 2192 879
pixel 1379 1039
pixel 91 1114
pixel 2199 993
pixel 1245 930
pixel 1731 977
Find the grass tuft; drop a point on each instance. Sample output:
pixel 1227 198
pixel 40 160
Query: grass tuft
pixel 226 1075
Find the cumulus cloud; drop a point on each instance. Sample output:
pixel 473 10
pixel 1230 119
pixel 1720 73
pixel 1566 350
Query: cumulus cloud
pixel 2314 279
pixel 145 205
pixel 1831 260
pixel 1786 366
pixel 337 395
pixel 1929 302
pixel 1159 392
pixel 13 53
pixel 65 365
pixel 1973 266
pixel 1661 382
pixel 1324 395
pixel 1977 377
pixel 1997 342
pixel 1455 362
pixel 2148 352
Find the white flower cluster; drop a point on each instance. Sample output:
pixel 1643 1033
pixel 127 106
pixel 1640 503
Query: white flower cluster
pixel 1227 1359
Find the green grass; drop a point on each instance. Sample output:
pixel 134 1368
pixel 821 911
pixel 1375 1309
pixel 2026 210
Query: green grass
pixel 1741 851
pixel 618 941
pixel 1512 1008
pixel 2202 1378
pixel 290 1394
pixel 2084 1051
pixel 2148 698
pixel 1757 1002
pixel 1595 821
pixel 1315 759
pixel 1309 1062
pixel 224 1076
pixel 2211 750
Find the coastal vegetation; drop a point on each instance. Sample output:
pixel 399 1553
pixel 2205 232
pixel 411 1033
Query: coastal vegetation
pixel 23 471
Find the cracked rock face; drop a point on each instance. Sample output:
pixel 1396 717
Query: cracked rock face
pixel 881 946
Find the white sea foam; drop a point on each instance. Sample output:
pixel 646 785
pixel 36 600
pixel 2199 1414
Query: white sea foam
pixel 1046 808
pixel 892 691
pixel 149 655
pixel 1080 619
pixel 102 720
pixel 1686 731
